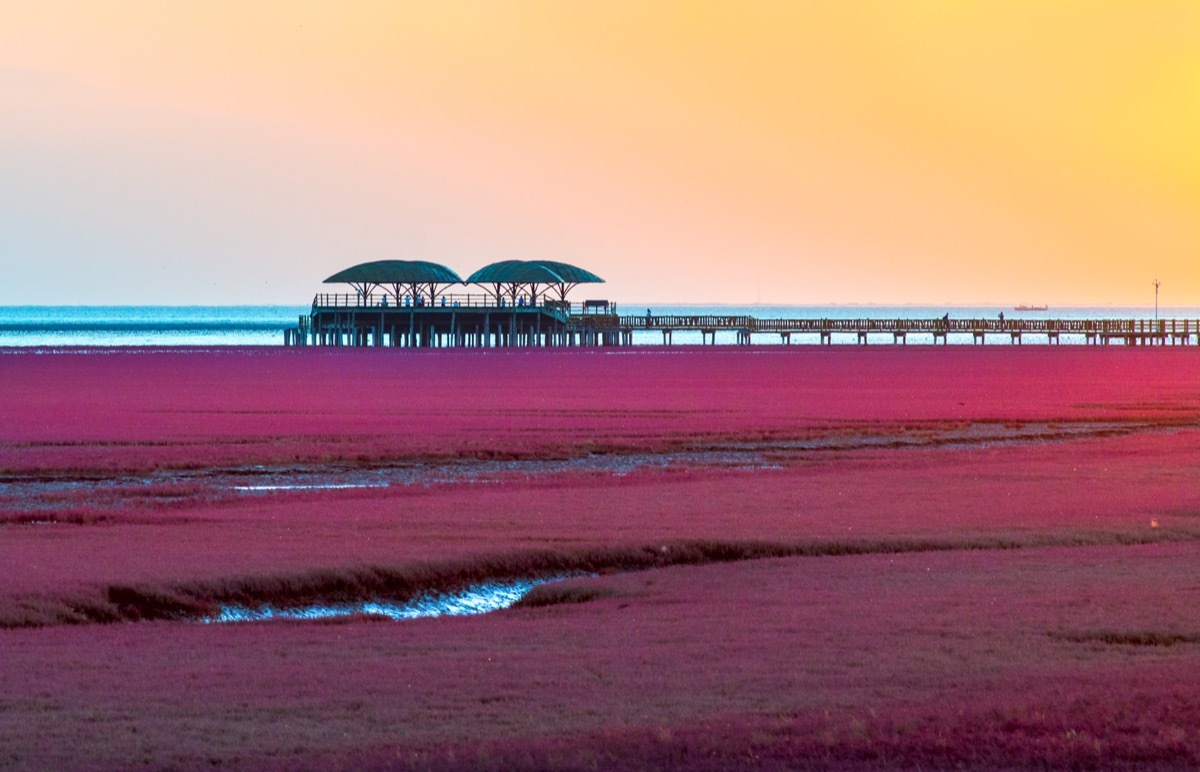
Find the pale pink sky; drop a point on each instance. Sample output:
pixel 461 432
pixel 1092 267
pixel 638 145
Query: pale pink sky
pixel 692 151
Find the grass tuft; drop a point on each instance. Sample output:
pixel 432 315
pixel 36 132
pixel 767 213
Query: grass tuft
pixel 1151 638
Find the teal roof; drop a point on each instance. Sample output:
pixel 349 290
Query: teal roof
pixel 571 274
pixel 532 272
pixel 396 272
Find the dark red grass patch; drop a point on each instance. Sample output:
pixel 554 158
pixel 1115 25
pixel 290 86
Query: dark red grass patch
pixel 565 592
pixel 1128 637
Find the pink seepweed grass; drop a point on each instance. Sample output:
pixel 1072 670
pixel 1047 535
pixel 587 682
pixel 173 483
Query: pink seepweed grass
pixel 176 408
pixel 940 658
pixel 903 594
pixel 1046 494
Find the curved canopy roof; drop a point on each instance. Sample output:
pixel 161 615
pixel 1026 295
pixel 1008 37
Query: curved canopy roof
pixel 571 274
pixel 396 272
pixel 532 272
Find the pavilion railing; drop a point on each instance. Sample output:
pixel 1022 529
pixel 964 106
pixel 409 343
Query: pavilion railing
pixel 381 300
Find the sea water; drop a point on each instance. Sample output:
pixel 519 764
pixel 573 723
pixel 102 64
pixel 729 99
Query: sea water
pixel 55 326
pixel 136 326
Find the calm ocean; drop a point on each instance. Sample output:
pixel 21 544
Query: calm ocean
pixel 55 326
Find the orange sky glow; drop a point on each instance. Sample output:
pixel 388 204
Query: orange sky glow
pixel 738 152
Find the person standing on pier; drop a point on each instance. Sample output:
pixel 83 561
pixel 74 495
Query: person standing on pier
pixel 648 316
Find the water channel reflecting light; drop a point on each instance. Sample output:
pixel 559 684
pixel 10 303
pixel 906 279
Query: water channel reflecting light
pixel 475 599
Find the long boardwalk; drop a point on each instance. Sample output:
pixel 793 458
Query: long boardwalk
pixel 1093 331
pixel 469 321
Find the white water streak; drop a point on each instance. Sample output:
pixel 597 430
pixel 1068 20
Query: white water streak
pixel 476 599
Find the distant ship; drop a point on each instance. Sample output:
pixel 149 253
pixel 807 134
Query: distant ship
pixel 1031 308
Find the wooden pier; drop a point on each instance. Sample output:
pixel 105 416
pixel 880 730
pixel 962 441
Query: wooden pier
pixel 456 321
pixel 1093 331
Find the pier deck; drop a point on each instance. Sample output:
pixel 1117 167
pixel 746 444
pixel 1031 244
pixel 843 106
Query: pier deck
pixel 472 321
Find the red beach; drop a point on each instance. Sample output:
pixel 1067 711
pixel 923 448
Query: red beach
pixel 782 557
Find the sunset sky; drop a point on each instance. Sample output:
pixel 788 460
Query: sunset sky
pixel 783 152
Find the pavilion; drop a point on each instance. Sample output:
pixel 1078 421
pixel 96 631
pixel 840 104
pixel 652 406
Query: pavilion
pixel 417 303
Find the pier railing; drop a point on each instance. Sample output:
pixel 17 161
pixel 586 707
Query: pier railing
pixel 870 325
pixel 386 301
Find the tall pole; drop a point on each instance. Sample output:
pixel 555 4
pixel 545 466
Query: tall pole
pixel 1156 284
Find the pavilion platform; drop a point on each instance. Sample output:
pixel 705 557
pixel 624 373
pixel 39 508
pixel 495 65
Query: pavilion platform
pixel 453 321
